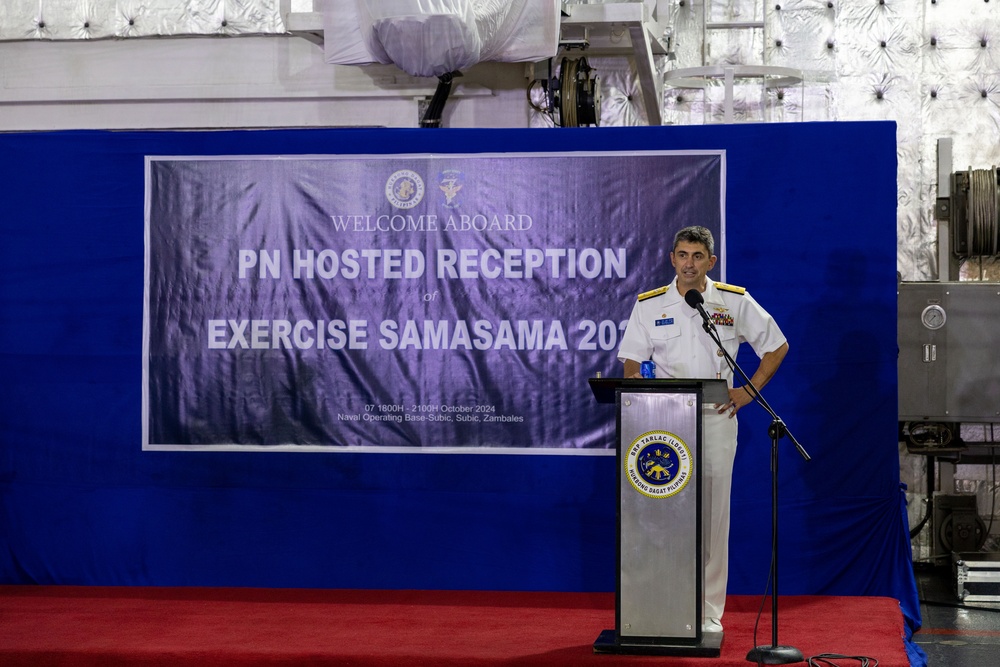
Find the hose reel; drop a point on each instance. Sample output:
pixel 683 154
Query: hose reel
pixel 578 95
pixel 975 213
pixel 573 99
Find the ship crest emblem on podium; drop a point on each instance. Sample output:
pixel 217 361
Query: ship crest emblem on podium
pixel 658 464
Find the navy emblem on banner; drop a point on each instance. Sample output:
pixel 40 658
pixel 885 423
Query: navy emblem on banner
pixel 404 189
pixel 658 464
pixel 451 181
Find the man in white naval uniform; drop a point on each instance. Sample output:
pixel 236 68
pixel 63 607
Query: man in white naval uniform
pixel 664 328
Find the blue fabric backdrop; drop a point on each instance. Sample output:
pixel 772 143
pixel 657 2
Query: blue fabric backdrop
pixel 811 220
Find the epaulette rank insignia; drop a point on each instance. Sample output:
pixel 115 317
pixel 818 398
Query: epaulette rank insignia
pixel 653 292
pixel 731 288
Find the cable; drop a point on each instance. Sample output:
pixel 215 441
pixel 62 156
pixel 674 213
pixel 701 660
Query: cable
pixel 432 117
pixel 983 212
pixel 930 499
pixel 993 490
pixel 928 435
pixel 760 611
pixel 992 204
pixel 531 102
pixel 574 95
pixel 989 211
pixel 567 107
pixel 827 658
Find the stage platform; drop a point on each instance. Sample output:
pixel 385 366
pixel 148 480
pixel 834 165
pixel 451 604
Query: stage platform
pixel 74 626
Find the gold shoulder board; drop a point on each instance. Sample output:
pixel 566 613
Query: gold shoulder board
pixel 731 288
pixel 653 292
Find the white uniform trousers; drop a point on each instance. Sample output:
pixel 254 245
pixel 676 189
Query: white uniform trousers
pixel 718 454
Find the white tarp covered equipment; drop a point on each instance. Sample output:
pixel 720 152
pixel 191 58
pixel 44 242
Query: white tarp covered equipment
pixel 434 37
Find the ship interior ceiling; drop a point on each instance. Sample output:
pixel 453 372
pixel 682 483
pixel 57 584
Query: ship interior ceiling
pixel 930 66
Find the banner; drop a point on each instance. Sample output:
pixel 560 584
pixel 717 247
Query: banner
pixel 404 302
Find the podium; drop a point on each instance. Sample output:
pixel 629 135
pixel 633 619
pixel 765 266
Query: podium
pixel 660 590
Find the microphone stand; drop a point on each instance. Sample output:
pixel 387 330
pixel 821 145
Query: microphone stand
pixel 773 654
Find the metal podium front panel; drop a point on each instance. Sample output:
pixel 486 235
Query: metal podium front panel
pixel 658 523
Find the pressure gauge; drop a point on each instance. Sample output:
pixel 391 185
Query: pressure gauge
pixel 933 317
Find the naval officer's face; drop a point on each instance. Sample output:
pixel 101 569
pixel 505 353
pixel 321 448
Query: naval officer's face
pixel 692 263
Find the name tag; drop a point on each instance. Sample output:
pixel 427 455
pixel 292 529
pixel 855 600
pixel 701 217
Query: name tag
pixel 665 322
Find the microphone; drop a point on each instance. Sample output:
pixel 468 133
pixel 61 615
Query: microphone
pixel 694 299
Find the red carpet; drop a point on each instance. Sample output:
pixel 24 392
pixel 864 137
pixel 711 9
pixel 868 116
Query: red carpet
pixel 74 626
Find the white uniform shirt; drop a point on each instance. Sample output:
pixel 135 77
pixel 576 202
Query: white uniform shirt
pixel 668 331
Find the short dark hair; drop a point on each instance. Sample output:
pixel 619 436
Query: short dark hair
pixel 695 234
